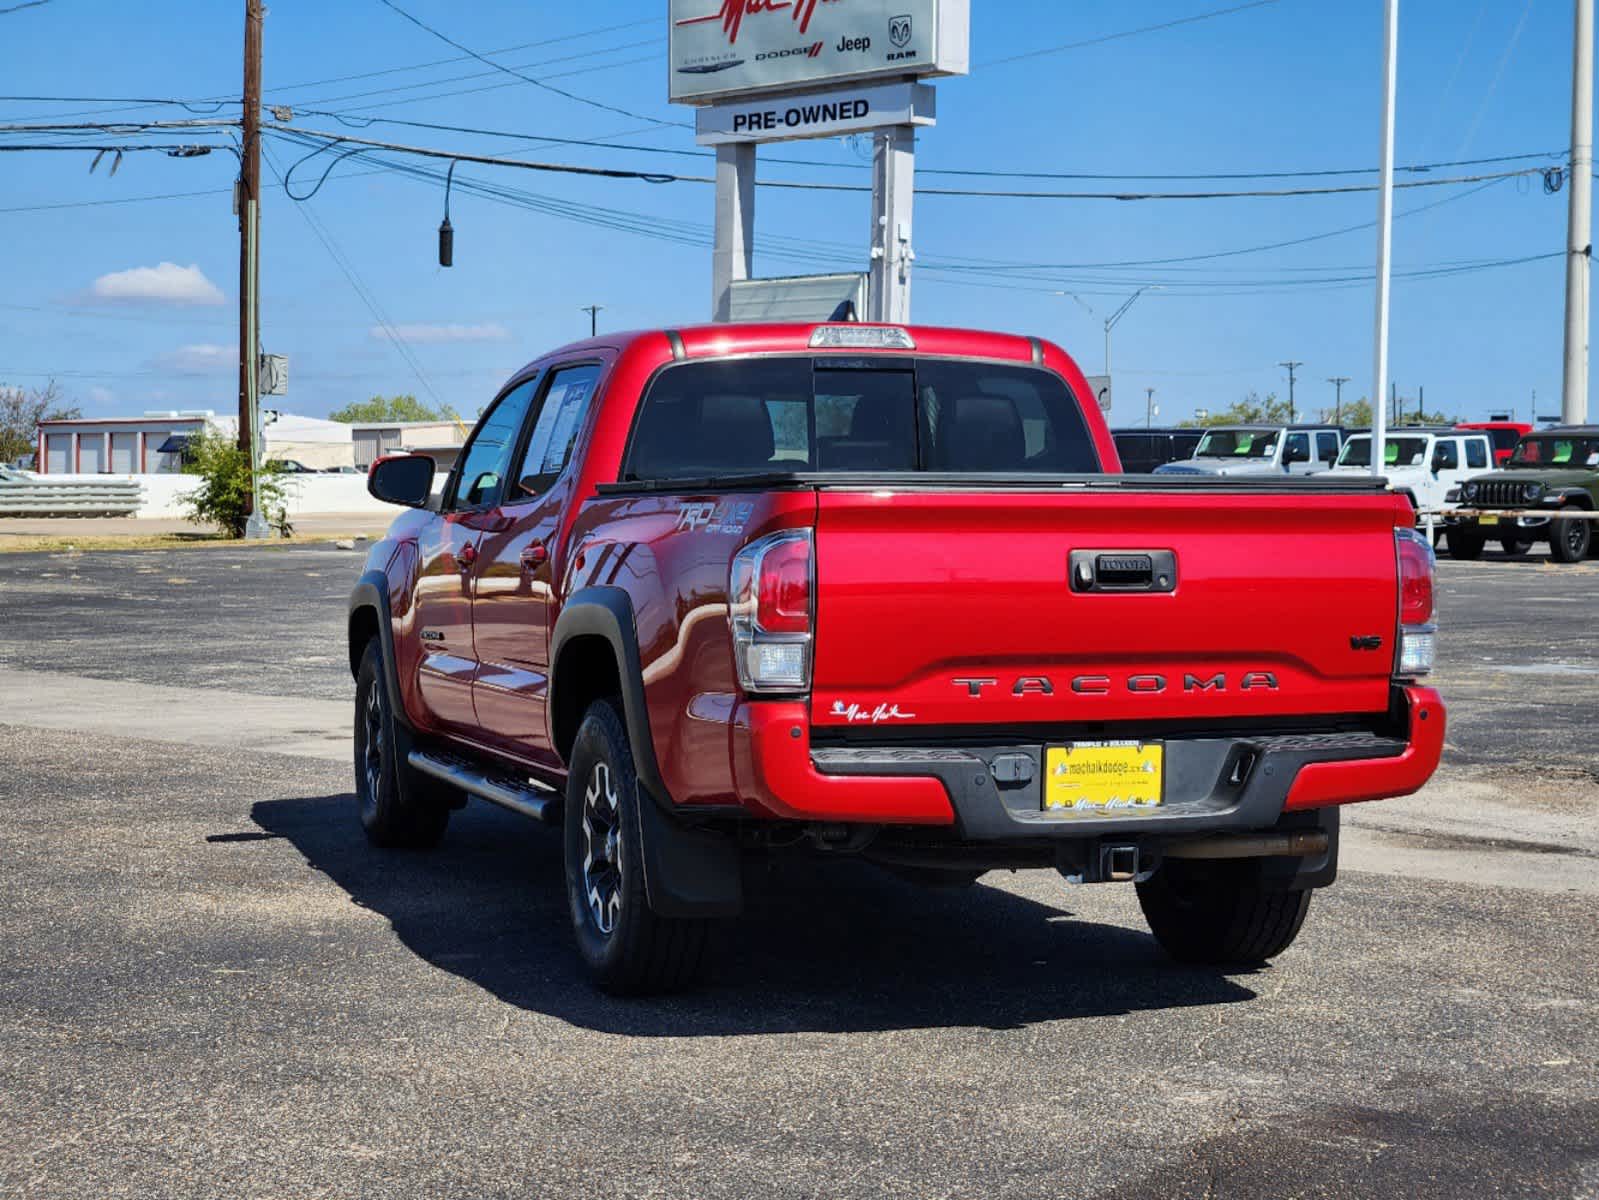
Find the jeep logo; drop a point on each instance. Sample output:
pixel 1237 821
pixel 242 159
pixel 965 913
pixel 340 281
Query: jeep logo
pixel 849 45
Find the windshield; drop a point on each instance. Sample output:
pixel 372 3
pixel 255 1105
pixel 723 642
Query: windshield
pixel 1550 450
pixel 1237 443
pixel 1397 452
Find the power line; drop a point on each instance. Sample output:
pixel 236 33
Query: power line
pixel 412 87
pixel 687 233
pixel 363 122
pixel 352 276
pixel 1126 33
pixel 539 83
pixel 969 193
pixel 441 62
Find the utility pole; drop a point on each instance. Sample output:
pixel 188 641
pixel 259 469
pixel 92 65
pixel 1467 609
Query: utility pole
pixel 593 311
pixel 1292 367
pixel 1385 232
pixel 1579 247
pixel 1149 407
pixel 1338 382
pixel 250 260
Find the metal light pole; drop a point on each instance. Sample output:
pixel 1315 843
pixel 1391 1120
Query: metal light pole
pixel 1149 407
pixel 1292 367
pixel 1579 248
pixel 1338 382
pixel 1116 316
pixel 1385 231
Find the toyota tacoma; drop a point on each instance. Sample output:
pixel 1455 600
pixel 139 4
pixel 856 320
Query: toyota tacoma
pixel 694 595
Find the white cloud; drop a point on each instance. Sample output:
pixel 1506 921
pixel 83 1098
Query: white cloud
pixel 200 358
pixel 166 283
pixel 493 331
pixel 101 395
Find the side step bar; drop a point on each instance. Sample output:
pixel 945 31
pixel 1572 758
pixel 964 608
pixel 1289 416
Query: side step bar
pixel 518 795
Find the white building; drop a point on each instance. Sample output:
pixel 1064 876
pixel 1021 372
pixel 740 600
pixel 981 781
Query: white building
pixel 153 444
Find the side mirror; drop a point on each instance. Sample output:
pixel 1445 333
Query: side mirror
pixel 1293 454
pixel 402 479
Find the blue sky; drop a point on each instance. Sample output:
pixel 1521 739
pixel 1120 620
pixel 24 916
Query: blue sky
pixel 1286 86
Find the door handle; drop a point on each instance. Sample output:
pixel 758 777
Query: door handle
pixel 534 554
pixel 465 557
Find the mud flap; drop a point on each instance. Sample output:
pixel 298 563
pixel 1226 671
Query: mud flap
pixel 687 872
pixel 1293 874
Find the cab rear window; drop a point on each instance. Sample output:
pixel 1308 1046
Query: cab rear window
pixel 755 416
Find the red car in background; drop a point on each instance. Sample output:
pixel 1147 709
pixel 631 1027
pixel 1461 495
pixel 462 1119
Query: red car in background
pixel 1503 434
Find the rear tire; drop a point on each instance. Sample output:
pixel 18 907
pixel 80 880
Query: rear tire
pixel 626 947
pixel 1465 543
pixel 1218 913
pixel 400 807
pixel 1568 540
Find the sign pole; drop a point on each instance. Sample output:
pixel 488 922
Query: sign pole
pixel 733 253
pixel 1579 251
pixel 888 293
pixel 1385 231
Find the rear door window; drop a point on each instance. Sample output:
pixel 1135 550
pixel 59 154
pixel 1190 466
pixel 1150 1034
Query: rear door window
pixel 710 419
pixel 1327 447
pixel 1476 453
pixel 549 447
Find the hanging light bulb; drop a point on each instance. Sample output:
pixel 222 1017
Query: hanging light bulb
pixel 446 230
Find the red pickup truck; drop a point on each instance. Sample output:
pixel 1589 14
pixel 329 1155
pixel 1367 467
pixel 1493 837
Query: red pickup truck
pixel 701 593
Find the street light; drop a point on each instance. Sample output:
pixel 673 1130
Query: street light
pixel 1121 312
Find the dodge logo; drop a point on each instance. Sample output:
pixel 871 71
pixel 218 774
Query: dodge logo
pixel 899 30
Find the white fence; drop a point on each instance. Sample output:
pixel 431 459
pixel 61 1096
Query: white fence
pixel 306 495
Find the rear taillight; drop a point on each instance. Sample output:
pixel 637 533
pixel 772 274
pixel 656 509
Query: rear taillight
pixel 1417 628
pixel 772 608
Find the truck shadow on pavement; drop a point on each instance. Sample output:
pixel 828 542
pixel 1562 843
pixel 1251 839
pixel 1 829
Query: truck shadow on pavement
pixel 824 946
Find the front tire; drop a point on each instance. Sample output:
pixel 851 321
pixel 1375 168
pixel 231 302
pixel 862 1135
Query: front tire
pixel 1465 542
pixel 626 947
pixel 399 806
pixel 1218 913
pixel 1569 539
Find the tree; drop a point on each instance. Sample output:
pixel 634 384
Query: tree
pixel 389 408
pixel 21 410
pixel 224 473
pixel 1357 415
pixel 1251 410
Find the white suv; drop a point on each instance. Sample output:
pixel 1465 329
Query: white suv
pixel 1424 464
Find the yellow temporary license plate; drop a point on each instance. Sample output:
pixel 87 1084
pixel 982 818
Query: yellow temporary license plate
pixel 1487 520
pixel 1101 777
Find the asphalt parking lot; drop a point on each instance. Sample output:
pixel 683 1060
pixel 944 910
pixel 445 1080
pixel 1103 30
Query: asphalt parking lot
pixel 210 986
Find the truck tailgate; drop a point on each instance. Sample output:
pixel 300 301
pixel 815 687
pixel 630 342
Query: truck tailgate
pixel 956 608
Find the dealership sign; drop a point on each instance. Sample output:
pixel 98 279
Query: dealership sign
pixel 815 114
pixel 722 48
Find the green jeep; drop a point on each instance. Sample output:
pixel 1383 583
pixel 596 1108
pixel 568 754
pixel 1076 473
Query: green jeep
pixel 1553 470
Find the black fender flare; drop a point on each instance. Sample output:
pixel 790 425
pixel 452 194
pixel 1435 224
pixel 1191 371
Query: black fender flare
pixel 371 591
pixel 688 872
pixel 1580 497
